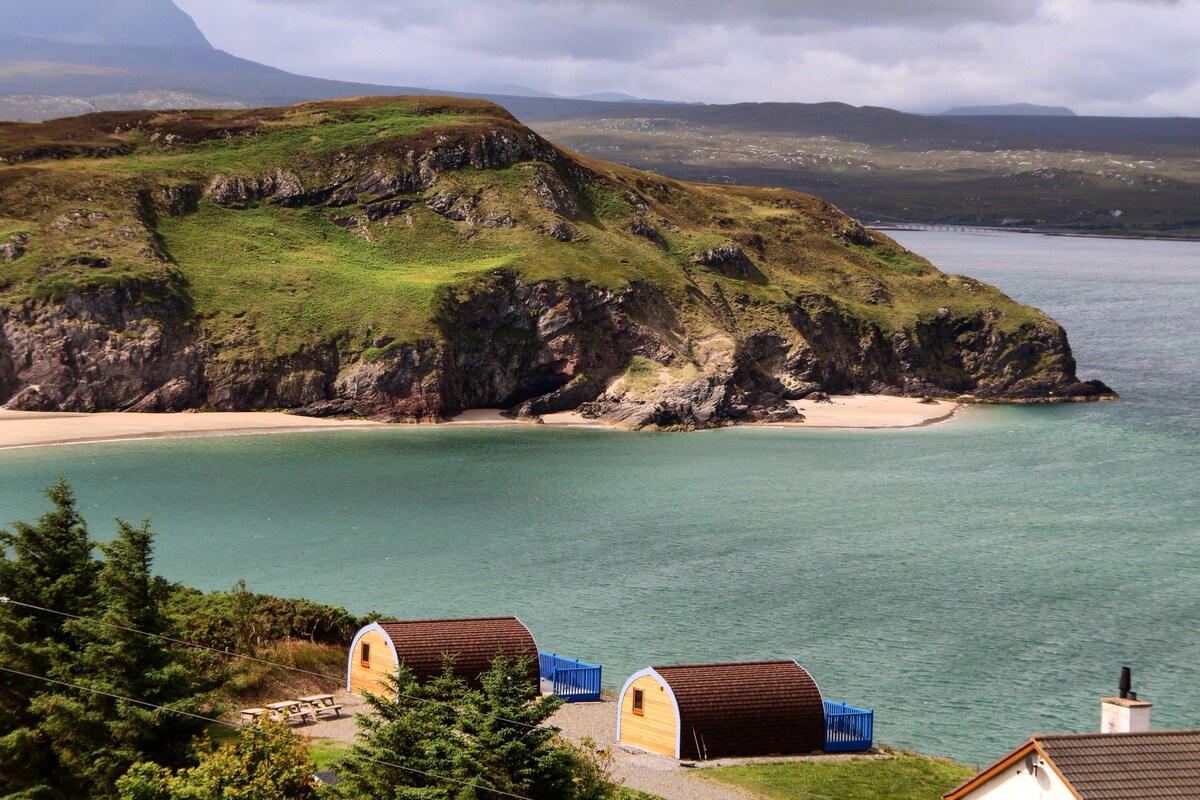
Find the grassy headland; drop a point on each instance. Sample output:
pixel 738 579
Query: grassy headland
pixel 352 251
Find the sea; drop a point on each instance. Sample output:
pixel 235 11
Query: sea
pixel 973 582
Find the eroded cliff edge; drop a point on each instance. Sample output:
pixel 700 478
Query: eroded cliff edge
pixel 408 258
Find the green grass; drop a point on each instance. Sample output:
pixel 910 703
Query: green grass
pixel 642 374
pixel 325 752
pixel 302 134
pixel 906 777
pixel 893 257
pixel 291 275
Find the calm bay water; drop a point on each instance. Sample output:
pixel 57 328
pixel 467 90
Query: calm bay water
pixel 974 582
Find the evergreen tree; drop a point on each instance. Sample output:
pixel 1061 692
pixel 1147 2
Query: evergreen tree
pixel 97 737
pixel 490 738
pixel 47 564
pixel 62 742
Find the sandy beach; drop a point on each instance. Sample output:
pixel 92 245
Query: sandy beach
pixel 872 411
pixel 41 428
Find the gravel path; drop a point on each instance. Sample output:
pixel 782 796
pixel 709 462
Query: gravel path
pixel 639 770
pixel 341 728
pixel 647 772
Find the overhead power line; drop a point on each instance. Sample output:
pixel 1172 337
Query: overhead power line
pixel 259 731
pixel 265 662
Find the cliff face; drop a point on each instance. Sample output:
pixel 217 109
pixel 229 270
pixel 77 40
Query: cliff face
pixel 406 259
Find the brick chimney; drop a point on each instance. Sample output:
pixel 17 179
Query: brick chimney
pixel 1125 713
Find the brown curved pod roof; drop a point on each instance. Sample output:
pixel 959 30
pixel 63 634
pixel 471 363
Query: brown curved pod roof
pixel 748 709
pixel 421 645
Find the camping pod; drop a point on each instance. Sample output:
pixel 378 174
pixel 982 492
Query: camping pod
pixel 424 645
pixel 702 711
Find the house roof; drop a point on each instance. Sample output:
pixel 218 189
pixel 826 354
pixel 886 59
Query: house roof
pixel 421 645
pixel 743 709
pixel 1152 765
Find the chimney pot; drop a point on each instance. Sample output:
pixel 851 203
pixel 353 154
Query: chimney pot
pixel 1124 714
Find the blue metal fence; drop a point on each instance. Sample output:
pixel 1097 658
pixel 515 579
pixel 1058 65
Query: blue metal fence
pixel 572 679
pixel 848 729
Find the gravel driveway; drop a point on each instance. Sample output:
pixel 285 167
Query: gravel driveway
pixel 638 770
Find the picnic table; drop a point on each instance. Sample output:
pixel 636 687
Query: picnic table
pixel 322 704
pixel 252 714
pixel 289 711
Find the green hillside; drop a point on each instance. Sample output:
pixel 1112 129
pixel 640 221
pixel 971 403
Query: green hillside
pixel 315 245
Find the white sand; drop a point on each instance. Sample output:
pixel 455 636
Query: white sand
pixel 495 416
pixel 32 428
pixel 35 428
pixel 872 411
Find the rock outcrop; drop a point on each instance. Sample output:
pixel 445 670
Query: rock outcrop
pixel 635 300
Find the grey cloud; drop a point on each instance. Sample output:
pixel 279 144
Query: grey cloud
pixel 729 12
pixel 1106 55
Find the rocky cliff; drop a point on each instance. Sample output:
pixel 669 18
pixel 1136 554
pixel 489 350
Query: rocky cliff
pixel 408 258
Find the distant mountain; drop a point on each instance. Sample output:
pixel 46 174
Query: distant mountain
pixel 115 23
pixel 490 89
pixel 1009 110
pixel 478 88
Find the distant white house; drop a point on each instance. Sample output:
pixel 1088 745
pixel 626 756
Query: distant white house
pixel 1125 761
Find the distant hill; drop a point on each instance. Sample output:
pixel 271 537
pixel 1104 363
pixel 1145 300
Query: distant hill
pixel 115 23
pixel 60 58
pixel 1009 110
pixel 1092 131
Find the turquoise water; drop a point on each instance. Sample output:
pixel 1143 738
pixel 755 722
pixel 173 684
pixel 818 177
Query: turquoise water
pixel 975 581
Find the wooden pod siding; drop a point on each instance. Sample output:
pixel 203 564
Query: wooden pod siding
pixel 422 645
pixel 700 711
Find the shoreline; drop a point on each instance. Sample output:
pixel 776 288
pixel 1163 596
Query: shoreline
pixel 27 429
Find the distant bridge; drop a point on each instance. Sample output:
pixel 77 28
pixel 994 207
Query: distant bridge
pixel 881 225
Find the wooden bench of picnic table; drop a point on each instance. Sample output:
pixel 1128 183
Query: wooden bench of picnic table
pixel 289 711
pixel 252 714
pixel 322 704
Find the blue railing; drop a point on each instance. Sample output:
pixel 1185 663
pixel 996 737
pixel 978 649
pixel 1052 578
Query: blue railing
pixel 572 679
pixel 848 729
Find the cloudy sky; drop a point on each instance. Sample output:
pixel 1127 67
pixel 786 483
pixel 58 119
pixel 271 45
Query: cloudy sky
pixel 1121 57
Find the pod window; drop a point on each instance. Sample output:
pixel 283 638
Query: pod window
pixel 639 701
pixel 365 656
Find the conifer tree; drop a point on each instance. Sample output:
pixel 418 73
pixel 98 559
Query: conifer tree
pixel 57 741
pixel 96 737
pixel 492 738
pixel 47 564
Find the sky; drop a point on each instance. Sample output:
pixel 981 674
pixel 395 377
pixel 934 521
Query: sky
pixel 1103 57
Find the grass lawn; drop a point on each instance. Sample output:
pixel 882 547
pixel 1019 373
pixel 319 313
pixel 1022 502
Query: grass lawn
pixel 324 751
pixel 906 777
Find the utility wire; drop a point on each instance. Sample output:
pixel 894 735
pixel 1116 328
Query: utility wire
pixel 231 654
pixel 259 731
pixel 336 678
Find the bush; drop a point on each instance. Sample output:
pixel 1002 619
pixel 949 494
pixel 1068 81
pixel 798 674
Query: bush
pixel 242 621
